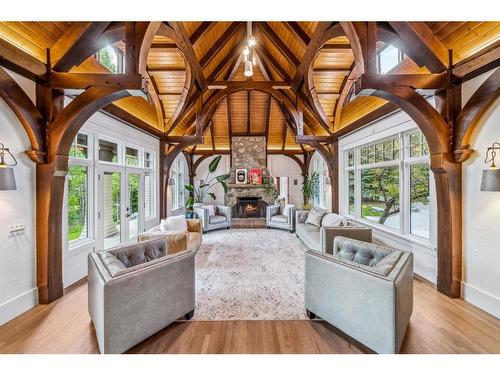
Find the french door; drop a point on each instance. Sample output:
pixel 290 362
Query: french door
pixel 120 211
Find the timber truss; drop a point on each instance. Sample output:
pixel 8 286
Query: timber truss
pixel 51 127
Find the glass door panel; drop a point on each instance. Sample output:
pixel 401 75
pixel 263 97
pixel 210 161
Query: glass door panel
pixel 111 213
pixel 133 205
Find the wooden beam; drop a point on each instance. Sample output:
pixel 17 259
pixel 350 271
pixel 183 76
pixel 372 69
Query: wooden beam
pixel 332 70
pixel 212 137
pixel 278 43
pixel 419 38
pixel 84 80
pixel 480 62
pixel 165 46
pixel 345 89
pixel 217 46
pixel 167 69
pixel 268 58
pixel 335 47
pixel 298 32
pixel 187 48
pixel 229 59
pixel 184 139
pixel 200 30
pixel 74 45
pixel 154 95
pixel 315 138
pixel 267 118
pixel 312 48
pixel 249 84
pixel 367 83
pixel 19 61
pixel 283 135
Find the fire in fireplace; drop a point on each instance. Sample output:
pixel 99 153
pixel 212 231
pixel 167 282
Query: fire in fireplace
pixel 249 207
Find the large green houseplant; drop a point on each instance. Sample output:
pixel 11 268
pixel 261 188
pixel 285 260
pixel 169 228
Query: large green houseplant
pixel 199 193
pixel 310 187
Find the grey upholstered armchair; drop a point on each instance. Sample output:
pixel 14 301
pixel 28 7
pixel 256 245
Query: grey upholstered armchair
pixel 275 217
pixel 137 290
pixel 221 219
pixel 363 289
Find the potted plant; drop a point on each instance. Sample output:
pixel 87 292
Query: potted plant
pixel 199 193
pixel 310 187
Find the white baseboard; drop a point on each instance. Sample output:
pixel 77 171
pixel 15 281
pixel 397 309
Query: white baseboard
pixel 18 305
pixel 481 299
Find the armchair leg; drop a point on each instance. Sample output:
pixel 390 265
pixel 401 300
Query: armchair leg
pixel 189 315
pixel 310 314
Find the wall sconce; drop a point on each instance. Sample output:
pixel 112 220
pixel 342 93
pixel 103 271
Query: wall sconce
pixel 491 177
pixel 7 178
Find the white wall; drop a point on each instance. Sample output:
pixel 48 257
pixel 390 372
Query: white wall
pixel 481 214
pixel 201 173
pixel 17 266
pixel 283 166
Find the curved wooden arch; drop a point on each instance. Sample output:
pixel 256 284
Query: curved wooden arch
pixel 27 113
pixel 211 106
pixel 66 125
pixel 469 119
pixel 428 119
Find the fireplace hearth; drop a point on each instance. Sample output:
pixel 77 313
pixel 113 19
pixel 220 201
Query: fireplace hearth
pixel 247 207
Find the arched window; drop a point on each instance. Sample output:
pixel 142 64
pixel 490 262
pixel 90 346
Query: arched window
pixel 111 57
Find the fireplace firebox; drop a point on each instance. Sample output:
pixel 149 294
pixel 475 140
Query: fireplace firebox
pixel 247 207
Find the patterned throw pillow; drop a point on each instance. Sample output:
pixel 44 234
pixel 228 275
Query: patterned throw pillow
pixel 315 215
pixel 333 220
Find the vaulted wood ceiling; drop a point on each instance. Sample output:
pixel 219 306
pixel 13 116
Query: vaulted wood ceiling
pixel 282 47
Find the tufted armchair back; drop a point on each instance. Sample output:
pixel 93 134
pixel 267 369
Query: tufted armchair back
pixel 139 253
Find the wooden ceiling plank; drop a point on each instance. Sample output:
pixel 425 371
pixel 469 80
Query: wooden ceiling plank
pixel 72 48
pixel 19 61
pixel 268 58
pixel 267 118
pixel 200 30
pixel 229 59
pixel 217 46
pixel 249 107
pixel 278 43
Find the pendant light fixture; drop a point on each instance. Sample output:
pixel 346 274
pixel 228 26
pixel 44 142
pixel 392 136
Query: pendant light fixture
pixel 248 51
pixel 7 178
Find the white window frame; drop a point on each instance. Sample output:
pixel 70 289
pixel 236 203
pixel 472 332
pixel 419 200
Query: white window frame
pixel 120 150
pixel 89 164
pixel 404 162
pixel 150 170
pixel 177 174
pixel 140 155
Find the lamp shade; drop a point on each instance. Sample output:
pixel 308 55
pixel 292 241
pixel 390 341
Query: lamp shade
pixel 7 179
pixel 248 69
pixel 490 180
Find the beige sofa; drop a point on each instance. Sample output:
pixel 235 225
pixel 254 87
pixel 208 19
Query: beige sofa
pixel 136 290
pixel 190 240
pixel 321 238
pixel 365 290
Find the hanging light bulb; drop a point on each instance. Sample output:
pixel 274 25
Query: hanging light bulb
pixel 252 42
pixel 248 69
pixel 254 60
pixel 246 51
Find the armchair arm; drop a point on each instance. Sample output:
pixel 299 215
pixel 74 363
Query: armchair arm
pixel 273 209
pixel 225 211
pixel 328 234
pixel 203 216
pixel 194 225
pixel 301 216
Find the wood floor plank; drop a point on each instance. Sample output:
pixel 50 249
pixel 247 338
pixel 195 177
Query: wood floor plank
pixel 438 325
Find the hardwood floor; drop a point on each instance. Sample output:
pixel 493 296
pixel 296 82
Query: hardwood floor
pixel 438 325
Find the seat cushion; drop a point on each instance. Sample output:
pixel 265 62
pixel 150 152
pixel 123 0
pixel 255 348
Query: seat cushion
pixel 310 234
pixel 215 219
pixel 280 219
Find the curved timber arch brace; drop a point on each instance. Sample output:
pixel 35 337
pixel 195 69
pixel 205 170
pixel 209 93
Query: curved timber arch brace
pixel 27 113
pixel 470 117
pixel 437 128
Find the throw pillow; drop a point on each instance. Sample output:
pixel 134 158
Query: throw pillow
pixel 315 215
pixel 176 223
pixel 333 220
pixel 211 209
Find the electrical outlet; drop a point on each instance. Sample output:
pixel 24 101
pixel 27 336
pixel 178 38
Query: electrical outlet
pixel 16 230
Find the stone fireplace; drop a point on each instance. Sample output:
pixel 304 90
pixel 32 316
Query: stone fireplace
pixel 248 152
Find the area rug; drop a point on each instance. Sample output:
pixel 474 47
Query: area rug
pixel 250 274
